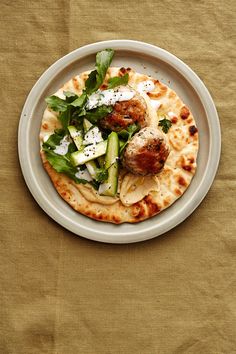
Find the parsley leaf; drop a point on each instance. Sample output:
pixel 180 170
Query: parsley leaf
pixel 79 101
pixel 127 134
pixel 91 82
pixel 97 76
pixel 103 61
pixel 57 104
pixel 165 125
pixel 118 80
pixel 70 96
pixel 65 117
pixel 67 107
pixel 54 139
pixel 98 113
pixel 62 164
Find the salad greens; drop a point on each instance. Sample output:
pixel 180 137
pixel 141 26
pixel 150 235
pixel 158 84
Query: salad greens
pixel 61 163
pixel 98 113
pixel 77 119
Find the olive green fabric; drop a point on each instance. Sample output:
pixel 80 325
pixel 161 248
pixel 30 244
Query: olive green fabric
pixel 67 295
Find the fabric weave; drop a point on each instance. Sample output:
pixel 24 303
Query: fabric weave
pixel 63 294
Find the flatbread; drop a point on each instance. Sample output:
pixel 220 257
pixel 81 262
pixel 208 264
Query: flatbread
pixel 139 197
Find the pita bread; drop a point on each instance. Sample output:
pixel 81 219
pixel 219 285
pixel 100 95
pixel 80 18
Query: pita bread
pixel 139 197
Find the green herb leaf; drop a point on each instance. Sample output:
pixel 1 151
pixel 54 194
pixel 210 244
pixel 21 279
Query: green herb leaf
pixel 96 77
pixel 118 80
pixel 54 139
pixel 57 104
pixel 61 164
pixel 91 82
pixel 65 117
pixel 98 113
pixel 73 107
pixel 165 124
pixel 70 96
pixel 71 148
pixel 79 101
pixel 103 61
pixel 127 134
pixel 60 132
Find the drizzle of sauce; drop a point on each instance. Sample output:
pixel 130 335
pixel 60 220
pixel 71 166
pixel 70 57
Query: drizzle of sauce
pixel 84 174
pixel 93 136
pixel 62 149
pixel 109 97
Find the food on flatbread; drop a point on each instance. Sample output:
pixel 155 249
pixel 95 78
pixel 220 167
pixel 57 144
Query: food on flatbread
pixel 126 113
pixel 119 146
pixel 146 152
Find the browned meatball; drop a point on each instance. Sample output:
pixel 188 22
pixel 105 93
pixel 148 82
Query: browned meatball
pixel 126 113
pixel 146 152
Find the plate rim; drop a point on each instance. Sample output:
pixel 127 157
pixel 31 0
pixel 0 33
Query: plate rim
pixel 214 146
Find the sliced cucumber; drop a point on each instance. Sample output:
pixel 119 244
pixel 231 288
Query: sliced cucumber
pixel 90 152
pixel 87 125
pixel 109 187
pixel 92 168
pixel 77 136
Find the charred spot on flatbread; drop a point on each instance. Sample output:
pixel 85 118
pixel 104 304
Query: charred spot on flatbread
pixel 193 130
pixel 184 113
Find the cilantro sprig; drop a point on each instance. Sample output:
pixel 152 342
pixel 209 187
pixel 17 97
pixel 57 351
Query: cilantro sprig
pixel 165 125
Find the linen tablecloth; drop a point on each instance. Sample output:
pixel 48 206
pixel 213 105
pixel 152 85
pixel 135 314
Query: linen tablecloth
pixel 67 295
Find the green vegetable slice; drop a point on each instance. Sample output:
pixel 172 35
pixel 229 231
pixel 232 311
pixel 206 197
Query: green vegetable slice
pixel 77 136
pixel 109 187
pixel 90 152
pixel 92 168
pixel 87 125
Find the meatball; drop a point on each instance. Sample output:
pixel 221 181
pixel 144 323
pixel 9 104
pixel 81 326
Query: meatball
pixel 126 113
pixel 146 152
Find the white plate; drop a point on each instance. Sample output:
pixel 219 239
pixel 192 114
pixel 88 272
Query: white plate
pixel 147 59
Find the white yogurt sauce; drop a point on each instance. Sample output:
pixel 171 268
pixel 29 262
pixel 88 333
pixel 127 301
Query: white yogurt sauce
pixel 93 136
pixel 146 86
pixel 109 97
pixel 83 174
pixel 62 149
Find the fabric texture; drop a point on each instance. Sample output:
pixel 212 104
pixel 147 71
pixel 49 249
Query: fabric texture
pixel 64 294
